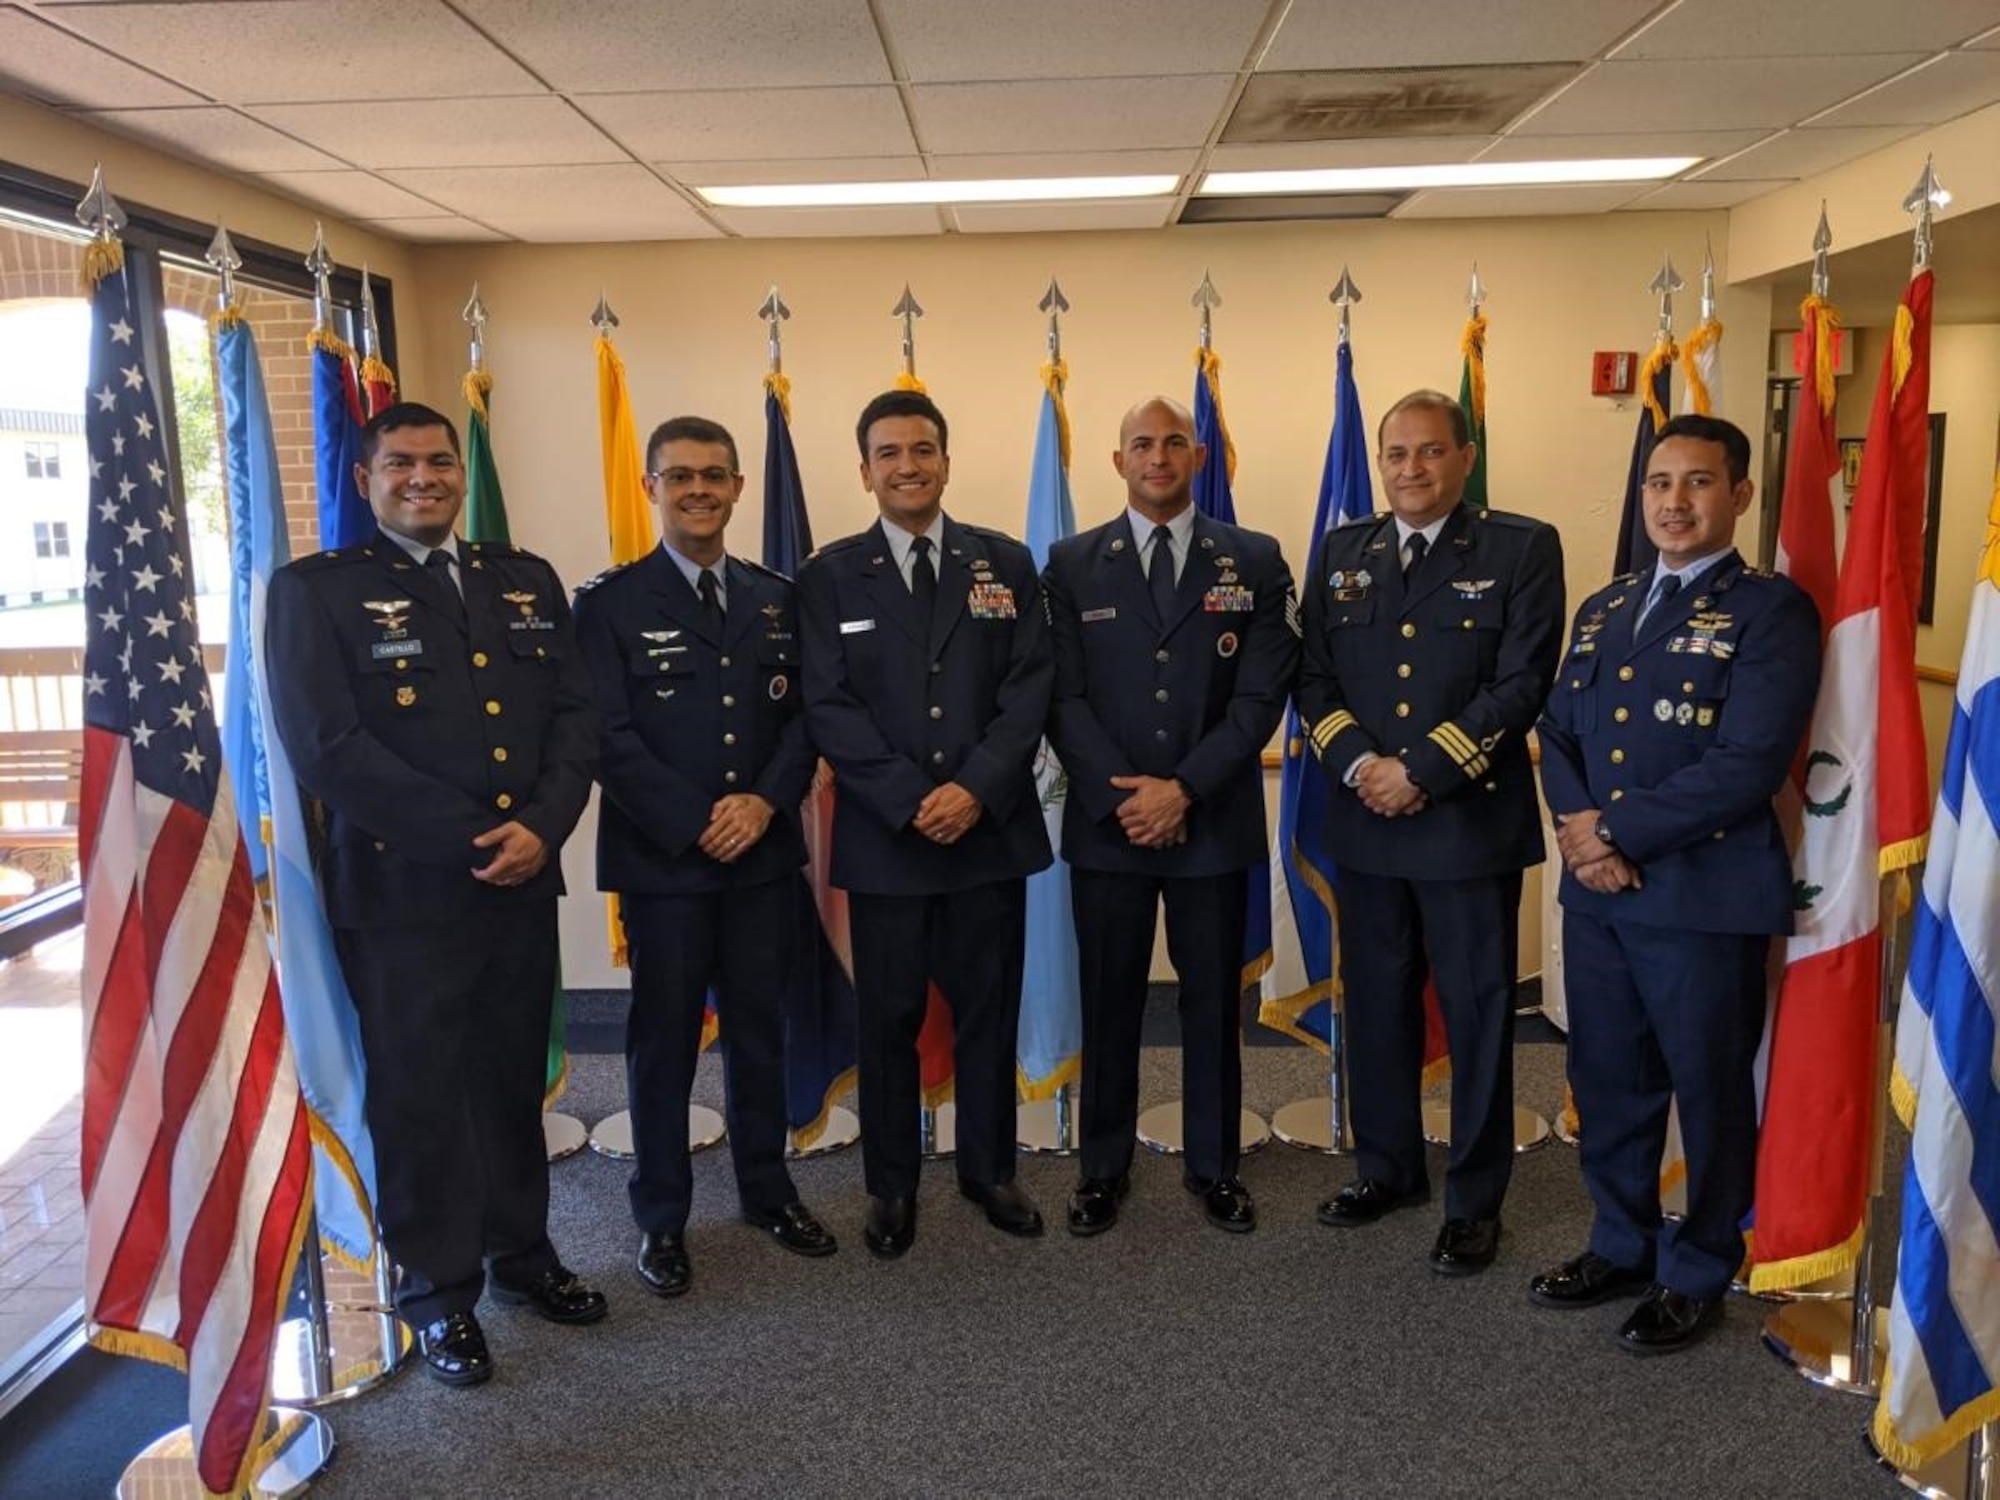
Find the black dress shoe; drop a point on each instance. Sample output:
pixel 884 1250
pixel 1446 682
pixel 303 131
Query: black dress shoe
pixel 1007 1207
pixel 664 1269
pixel 557 1295
pixel 1365 1200
pixel 1585 1282
pixel 889 1227
pixel 1665 1321
pixel 794 1227
pixel 1465 1247
pixel 1093 1207
pixel 454 1350
pixel 1225 1200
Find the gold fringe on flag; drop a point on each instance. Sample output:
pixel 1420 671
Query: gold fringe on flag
pixel 1819 310
pixel 325 338
pixel 1783 1275
pixel 779 384
pixel 1055 376
pixel 1210 364
pixel 1472 346
pixel 226 317
pixel 1703 339
pixel 100 259
pixel 807 1135
pixel 1960 1426
pixel 1665 352
pixel 374 372
pixel 323 1136
pixel 477 386
pixel 908 382
pixel 1040 1090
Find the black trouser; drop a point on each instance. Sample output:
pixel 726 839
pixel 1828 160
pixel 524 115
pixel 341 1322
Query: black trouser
pixel 1115 915
pixel 970 943
pixel 1658 1014
pixel 741 943
pixel 455 1031
pixel 1465 934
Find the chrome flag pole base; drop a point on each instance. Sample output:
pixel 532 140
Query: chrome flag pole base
pixel 1046 1127
pixel 1816 1338
pixel 1308 1125
pixel 937 1131
pixel 1160 1129
pixel 841 1130
pixel 1531 1131
pixel 302 1448
pixel 612 1135
pixel 563 1135
pixel 363 1347
pixel 1965 1471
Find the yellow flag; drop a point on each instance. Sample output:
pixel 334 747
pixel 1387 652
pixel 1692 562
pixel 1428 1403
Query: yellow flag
pixel 628 518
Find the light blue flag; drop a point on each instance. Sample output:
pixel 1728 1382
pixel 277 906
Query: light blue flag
pixel 319 1014
pixel 1298 992
pixel 1051 1037
pixel 1214 498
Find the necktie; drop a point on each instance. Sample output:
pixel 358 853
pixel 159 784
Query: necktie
pixel 1160 572
pixel 923 576
pixel 706 586
pixel 1668 586
pixel 1416 547
pixel 438 565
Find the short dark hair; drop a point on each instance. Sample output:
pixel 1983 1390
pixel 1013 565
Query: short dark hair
pixel 1461 427
pixel 901 404
pixel 402 414
pixel 1734 441
pixel 691 430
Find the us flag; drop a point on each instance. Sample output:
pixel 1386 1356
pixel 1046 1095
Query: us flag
pixel 195 1157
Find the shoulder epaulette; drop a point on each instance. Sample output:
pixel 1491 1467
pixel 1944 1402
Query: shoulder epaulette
pixel 1750 572
pixel 757 567
pixel 333 557
pixel 1361 521
pixel 1510 518
pixel 988 533
pixel 842 544
pixel 611 572
pixel 1625 580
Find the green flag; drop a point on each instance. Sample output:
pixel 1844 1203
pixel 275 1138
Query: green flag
pixel 486 521
pixel 1472 396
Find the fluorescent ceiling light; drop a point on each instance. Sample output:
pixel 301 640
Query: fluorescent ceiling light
pixel 1442 175
pixel 876 194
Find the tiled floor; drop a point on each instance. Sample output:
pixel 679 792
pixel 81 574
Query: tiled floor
pixel 41 1203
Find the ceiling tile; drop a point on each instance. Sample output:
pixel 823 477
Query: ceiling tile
pixel 1723 93
pixel 613 226
pixel 1065 164
pixel 320 50
pixel 1707 144
pixel 1729 28
pixel 1497 203
pixel 1023 218
pixel 354 195
pixel 625 46
pixel 1801 153
pixel 1954 85
pixel 445 230
pixel 830 223
pixel 44 62
pixel 1031 39
pixel 699 126
pixel 1450 31
pixel 1705 194
pixel 1404 151
pixel 792 169
pixel 538 130
pixel 216 135
pixel 1098 114
pixel 590 195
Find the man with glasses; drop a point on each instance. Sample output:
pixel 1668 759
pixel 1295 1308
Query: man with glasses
pixel 694 659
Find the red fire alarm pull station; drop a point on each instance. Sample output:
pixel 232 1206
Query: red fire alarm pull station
pixel 1614 372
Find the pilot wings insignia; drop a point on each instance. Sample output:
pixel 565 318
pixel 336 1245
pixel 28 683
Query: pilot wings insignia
pixel 390 614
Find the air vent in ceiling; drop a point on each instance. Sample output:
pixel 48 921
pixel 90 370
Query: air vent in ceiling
pixel 1333 106
pixel 1279 207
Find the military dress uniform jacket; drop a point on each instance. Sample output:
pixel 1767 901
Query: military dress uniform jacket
pixel 689 715
pixel 1448 671
pixel 1681 738
pixel 421 727
pixel 1194 697
pixel 900 705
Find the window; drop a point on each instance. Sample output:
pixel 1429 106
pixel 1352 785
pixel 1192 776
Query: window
pixel 44 462
pixel 52 539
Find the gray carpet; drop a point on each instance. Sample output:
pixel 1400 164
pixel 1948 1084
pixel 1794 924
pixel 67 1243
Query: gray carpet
pixel 1161 1358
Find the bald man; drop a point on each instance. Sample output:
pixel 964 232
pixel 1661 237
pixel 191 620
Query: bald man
pixel 1176 642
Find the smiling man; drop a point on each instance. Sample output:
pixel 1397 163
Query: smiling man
pixel 1430 637
pixel 927 675
pixel 1673 722
pixel 431 698
pixel 694 656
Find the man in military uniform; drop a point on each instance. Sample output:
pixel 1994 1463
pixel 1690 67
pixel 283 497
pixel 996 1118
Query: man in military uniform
pixel 1431 633
pixel 430 695
pixel 1176 644
pixel 927 673
pixel 694 657
pixel 1674 720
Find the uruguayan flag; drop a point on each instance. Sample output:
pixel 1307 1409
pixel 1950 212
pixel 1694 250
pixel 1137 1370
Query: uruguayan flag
pixel 1944 1329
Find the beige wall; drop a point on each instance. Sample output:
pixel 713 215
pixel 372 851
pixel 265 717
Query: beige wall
pixel 691 340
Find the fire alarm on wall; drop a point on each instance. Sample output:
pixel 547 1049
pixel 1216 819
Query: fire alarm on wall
pixel 1614 372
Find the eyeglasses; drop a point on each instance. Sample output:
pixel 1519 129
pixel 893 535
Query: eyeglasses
pixel 679 479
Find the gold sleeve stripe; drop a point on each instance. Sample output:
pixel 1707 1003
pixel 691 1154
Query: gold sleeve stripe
pixel 1324 731
pixel 1455 742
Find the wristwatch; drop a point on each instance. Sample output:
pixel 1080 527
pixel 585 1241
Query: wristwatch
pixel 1604 834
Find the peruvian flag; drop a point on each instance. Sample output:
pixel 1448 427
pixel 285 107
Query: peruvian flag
pixel 1866 809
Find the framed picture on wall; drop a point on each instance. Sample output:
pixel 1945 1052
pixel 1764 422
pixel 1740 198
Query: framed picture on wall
pixel 1933 519
pixel 1850 465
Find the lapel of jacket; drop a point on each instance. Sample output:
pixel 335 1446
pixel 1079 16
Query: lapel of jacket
pixel 1676 611
pixel 420 584
pixel 889 595
pixel 961 550
pixel 1118 571
pixel 744 597
pixel 1198 573
pixel 675 596
pixel 1446 560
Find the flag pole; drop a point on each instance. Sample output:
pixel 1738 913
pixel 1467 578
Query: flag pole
pixel 1804 1333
